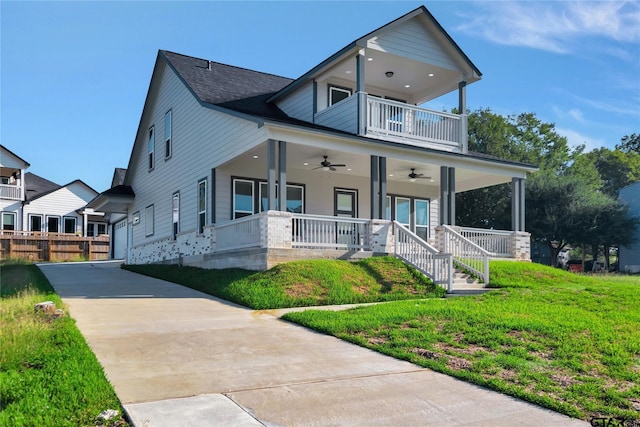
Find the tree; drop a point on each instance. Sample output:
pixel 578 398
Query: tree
pixel 629 143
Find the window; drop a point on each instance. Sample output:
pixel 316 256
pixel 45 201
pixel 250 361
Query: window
pixel 102 229
pixel 151 147
pixel 202 205
pixel 295 197
pixel 8 221
pixel 167 135
pixel 53 224
pixel 4 180
pixel 421 209
pixel 148 221
pixel 337 94
pixel 175 214
pixel 242 198
pixel 35 222
pixel 411 212
pixel 69 225
pixel 135 220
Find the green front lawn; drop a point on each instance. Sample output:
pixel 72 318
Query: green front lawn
pixel 304 283
pixel 568 342
pixel 48 374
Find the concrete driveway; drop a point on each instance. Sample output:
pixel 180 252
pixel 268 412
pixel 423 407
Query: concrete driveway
pixel 177 357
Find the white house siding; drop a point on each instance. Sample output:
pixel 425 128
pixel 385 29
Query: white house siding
pixel 411 40
pixel 201 140
pixel 61 203
pixel 299 104
pixel 342 116
pixel 629 257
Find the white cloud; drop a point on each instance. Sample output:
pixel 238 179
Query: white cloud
pixel 574 113
pixel 555 26
pixel 575 138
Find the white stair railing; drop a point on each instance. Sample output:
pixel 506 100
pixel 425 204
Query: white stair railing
pixel 410 248
pixel 466 253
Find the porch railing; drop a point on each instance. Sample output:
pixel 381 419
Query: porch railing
pixel 466 254
pixel 329 232
pixel 239 234
pixel 434 264
pixel 391 118
pixel 11 192
pixel 497 242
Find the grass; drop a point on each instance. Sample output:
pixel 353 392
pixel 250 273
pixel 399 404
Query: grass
pixel 304 283
pixel 48 374
pixel 568 342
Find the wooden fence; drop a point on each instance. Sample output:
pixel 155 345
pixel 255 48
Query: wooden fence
pixel 36 246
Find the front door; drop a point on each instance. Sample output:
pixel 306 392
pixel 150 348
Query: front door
pixel 345 205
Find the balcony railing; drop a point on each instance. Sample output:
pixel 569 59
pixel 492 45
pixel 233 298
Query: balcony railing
pixel 416 126
pixel 241 233
pixel 330 232
pixel 10 192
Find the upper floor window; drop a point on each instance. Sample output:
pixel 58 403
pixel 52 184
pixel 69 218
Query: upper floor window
pixel 4 180
pixel 167 135
pixel 151 147
pixel 337 94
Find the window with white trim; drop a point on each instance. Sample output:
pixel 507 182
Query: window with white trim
pixel 35 222
pixel 151 147
pixel 175 215
pixel 148 221
pixel 409 211
pixel 202 205
pixel 69 225
pixel 167 135
pixel 337 94
pixel 8 220
pixel 53 224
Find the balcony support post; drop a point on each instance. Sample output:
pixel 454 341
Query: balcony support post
pixel 462 110
pixel 447 195
pixel 382 161
pixel 517 204
pixel 361 93
pixel 375 187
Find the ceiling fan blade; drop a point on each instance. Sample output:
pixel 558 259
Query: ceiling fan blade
pixel 332 168
pixel 338 165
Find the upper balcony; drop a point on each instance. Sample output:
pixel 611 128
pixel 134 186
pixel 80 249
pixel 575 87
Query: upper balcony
pixel 377 85
pixel 379 118
pixel 10 192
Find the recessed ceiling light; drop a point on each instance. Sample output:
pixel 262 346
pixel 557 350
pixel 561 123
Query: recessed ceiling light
pixel 431 74
pixel 348 169
pixel 306 164
pixel 255 157
pixel 390 174
pixel 407 85
pixel 369 59
pixel 348 71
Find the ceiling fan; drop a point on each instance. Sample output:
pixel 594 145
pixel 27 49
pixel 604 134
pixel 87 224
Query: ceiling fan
pixel 326 165
pixel 413 176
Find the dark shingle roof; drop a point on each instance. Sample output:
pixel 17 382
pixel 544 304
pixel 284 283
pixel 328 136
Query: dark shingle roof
pixel 36 185
pixel 232 87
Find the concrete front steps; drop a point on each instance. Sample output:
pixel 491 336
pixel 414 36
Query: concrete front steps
pixel 465 284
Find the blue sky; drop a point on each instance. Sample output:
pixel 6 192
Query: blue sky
pixel 74 75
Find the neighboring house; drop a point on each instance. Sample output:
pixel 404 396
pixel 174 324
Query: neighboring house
pixel 629 257
pixel 12 189
pixel 31 203
pixel 366 169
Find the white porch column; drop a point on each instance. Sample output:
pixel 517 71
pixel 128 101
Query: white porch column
pixel 361 93
pixel 374 183
pixel 462 110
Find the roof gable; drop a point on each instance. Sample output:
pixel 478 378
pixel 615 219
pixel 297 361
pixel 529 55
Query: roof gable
pixel 8 159
pixel 38 187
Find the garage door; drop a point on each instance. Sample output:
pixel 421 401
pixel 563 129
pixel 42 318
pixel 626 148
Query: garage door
pixel 120 240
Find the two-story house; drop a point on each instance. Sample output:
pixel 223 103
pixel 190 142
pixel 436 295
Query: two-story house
pixel 235 167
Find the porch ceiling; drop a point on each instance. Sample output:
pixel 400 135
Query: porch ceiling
pixel 425 81
pixel 307 158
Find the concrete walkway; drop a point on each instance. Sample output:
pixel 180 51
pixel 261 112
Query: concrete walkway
pixel 177 357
